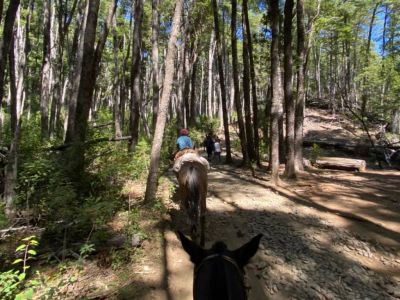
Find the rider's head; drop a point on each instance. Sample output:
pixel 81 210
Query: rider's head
pixel 183 131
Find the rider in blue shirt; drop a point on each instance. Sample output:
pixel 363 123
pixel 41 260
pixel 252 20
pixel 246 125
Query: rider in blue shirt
pixel 184 141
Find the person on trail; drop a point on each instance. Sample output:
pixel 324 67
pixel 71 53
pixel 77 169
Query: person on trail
pixel 217 148
pixel 184 143
pixel 209 144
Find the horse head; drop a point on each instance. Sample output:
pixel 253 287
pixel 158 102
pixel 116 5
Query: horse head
pixel 218 271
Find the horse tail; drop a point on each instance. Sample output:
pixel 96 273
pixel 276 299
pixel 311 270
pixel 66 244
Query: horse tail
pixel 192 182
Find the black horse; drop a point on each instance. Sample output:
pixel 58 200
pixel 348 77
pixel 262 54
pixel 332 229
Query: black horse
pixel 218 272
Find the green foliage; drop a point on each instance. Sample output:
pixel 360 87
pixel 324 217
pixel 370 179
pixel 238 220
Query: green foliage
pixel 12 280
pixel 315 153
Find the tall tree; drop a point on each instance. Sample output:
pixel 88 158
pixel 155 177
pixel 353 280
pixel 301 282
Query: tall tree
pixel 246 88
pixel 299 117
pixel 220 63
pixel 6 41
pixel 155 27
pixel 235 74
pixel 364 97
pixel 276 90
pixel 136 95
pixel 290 171
pixel 76 156
pixel 151 187
pixel 253 82
pixel 45 87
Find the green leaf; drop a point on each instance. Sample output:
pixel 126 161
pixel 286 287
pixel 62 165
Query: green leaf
pixel 31 251
pixel 21 276
pixel 18 260
pixel 20 248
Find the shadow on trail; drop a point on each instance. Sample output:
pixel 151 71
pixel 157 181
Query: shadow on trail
pixel 299 199
pixel 294 262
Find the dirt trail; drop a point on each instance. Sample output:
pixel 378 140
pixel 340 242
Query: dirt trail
pixel 322 239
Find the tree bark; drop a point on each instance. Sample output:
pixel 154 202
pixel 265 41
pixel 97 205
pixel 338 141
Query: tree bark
pixel 155 27
pixel 276 95
pixel 364 97
pixel 299 117
pixel 222 82
pixel 235 74
pixel 253 84
pixel 135 76
pixel 45 87
pixel 17 68
pixel 290 171
pixel 151 187
pixel 76 157
pixel 211 51
pixel 246 87
pixel 5 43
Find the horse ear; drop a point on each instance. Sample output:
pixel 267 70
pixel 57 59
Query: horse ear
pixel 195 252
pixel 243 254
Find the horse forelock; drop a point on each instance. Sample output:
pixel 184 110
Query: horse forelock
pixel 219 247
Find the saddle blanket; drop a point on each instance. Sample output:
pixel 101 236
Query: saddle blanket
pixel 190 157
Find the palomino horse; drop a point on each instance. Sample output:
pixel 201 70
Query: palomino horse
pixel 218 272
pixel 192 179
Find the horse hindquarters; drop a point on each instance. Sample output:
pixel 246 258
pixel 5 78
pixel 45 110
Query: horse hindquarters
pixel 193 184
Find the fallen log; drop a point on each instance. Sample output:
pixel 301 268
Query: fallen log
pixel 340 163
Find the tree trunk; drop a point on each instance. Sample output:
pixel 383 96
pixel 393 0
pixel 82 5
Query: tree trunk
pixel 276 95
pixel 396 121
pixel 290 171
pixel 135 76
pixel 17 68
pixel 151 187
pixel 299 118
pixel 76 157
pixel 222 82
pixel 235 74
pixel 75 60
pixel 5 47
pixel 117 82
pixel 253 83
pixel 211 51
pixel 45 87
pixel 364 97
pixel 155 27
pixel 193 111
pixel 246 88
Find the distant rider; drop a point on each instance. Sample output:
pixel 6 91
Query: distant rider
pixel 184 143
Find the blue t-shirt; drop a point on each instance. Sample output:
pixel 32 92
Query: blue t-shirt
pixel 184 142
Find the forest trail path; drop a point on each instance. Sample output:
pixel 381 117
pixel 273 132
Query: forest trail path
pixel 329 234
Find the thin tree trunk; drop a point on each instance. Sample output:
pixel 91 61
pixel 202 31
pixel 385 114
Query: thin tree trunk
pixel 45 73
pixel 5 43
pixel 210 73
pixel 193 111
pixel 17 68
pixel 290 171
pixel 246 88
pixel 364 97
pixel 253 84
pixel 135 76
pixel 151 187
pixel 222 82
pixel 299 118
pixel 155 26
pixel 276 95
pixel 235 73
